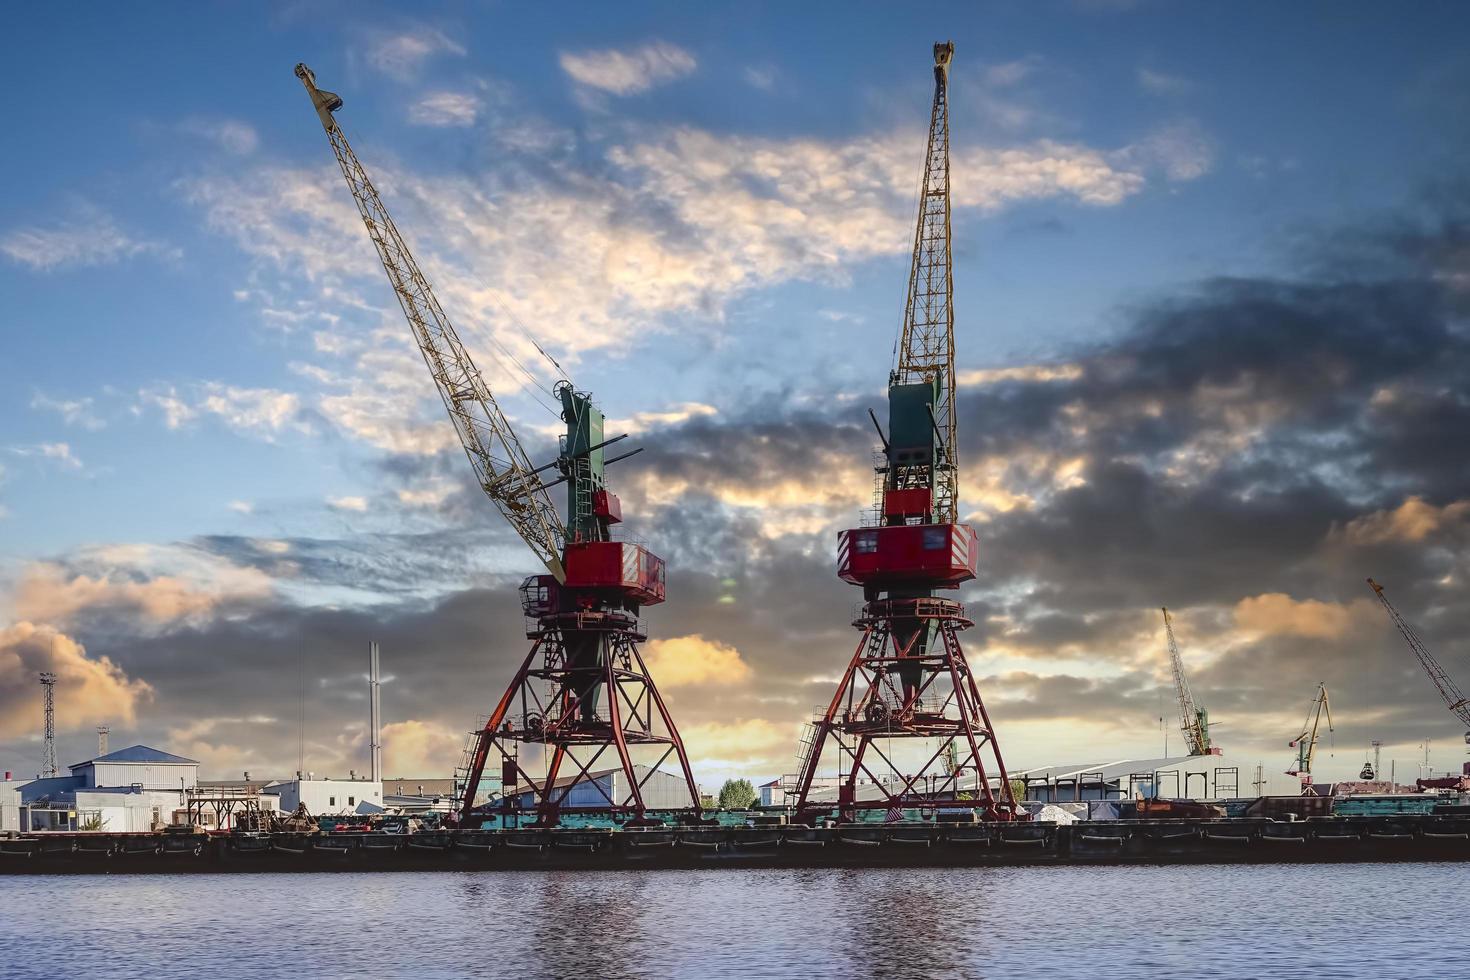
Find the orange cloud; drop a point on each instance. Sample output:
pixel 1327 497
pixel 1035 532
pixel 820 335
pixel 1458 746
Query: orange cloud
pixel 88 690
pixel 688 660
pixel 419 749
pixel 1280 614
pixel 1412 521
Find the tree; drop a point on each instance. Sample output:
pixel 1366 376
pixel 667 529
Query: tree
pixel 737 794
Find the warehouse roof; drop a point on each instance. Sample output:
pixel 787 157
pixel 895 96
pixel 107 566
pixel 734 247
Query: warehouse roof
pixel 139 754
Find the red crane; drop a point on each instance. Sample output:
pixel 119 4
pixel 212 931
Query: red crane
pixel 909 687
pixel 583 692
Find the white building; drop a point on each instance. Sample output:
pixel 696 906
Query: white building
pixel 133 789
pixel 328 797
pixel 1195 777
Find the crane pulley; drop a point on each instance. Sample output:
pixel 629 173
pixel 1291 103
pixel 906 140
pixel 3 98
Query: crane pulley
pixel 1194 721
pixel 1453 697
pixel 501 465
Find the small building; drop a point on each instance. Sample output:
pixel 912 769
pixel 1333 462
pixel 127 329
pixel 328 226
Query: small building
pixel 138 765
pixel 328 797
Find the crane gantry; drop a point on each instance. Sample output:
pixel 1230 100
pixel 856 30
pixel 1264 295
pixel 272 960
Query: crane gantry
pixel 583 689
pixel 1194 721
pixel 908 684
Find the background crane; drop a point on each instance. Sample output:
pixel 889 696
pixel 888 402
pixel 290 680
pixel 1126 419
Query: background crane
pixel 1306 743
pixel 908 684
pixel 1453 697
pixel 583 691
pixel 1194 721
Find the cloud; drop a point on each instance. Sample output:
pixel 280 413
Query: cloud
pixel 761 77
pixel 684 660
pixel 355 504
pixel 1030 373
pixel 401 56
pixel 89 690
pixel 1412 521
pixel 60 452
pixel 263 413
pixel 420 749
pixel 1276 613
pixel 628 72
pixel 1181 150
pixel 77 411
pixel 231 135
pixel 446 109
pixel 91 237
pixel 242 507
pixel 1008 73
pixel 1162 83
pixel 155 586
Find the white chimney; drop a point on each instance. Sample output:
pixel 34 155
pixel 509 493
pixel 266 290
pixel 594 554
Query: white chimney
pixel 375 717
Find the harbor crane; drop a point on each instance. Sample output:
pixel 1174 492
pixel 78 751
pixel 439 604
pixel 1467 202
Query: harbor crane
pixel 583 692
pixel 1454 698
pixel 909 685
pixel 1306 743
pixel 1194 721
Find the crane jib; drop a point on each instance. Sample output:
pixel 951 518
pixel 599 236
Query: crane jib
pixel 507 477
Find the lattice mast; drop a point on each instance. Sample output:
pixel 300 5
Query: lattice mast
pixel 48 708
pixel 926 348
pixel 1194 721
pixel 1453 697
pixel 583 692
pixel 908 685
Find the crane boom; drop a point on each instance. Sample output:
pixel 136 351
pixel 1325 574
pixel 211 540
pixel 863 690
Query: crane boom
pixel 926 349
pixel 1454 698
pixel 501 465
pixel 1194 721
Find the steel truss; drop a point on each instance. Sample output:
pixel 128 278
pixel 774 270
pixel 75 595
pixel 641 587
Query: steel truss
pixel 582 691
pixel 909 680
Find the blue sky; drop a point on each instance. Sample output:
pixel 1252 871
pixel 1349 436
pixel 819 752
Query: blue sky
pixel 704 215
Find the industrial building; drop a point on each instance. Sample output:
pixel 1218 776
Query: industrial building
pixel 133 789
pixel 327 797
pixel 1195 777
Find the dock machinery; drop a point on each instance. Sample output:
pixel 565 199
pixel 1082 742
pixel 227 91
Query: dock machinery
pixel 909 686
pixel 583 691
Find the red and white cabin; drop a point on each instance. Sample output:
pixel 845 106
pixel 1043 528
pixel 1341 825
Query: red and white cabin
pixel 944 554
pixel 629 568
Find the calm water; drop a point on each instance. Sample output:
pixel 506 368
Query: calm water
pixel 1386 921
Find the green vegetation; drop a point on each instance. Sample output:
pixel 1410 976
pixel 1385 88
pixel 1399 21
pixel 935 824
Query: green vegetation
pixel 738 794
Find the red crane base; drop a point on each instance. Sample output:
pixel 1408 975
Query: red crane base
pixel 583 692
pixel 908 681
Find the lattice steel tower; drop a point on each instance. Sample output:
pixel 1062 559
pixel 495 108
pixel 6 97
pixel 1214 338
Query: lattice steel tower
pixel 907 726
pixel 48 695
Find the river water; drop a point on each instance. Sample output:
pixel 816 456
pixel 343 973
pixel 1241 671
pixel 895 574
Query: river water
pixel 1366 920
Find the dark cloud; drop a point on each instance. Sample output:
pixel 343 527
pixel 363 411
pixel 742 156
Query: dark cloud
pixel 1241 438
